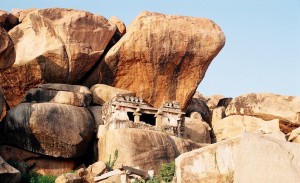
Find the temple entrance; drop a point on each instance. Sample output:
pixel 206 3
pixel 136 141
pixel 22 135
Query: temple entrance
pixel 148 118
pixel 130 116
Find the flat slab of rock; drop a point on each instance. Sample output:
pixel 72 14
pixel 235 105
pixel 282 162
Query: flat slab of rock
pixel 56 130
pixel 236 125
pixel 162 57
pixel 66 43
pixel 59 93
pixel 8 173
pixel 103 93
pixel 268 106
pixel 266 159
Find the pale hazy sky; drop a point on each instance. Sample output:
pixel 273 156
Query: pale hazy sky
pixel 262 50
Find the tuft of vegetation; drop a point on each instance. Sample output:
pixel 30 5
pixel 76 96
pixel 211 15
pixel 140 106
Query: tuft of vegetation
pixel 37 178
pixel 166 174
pixel 110 164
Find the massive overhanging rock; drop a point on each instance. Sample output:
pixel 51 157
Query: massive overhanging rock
pixel 162 57
pixel 54 45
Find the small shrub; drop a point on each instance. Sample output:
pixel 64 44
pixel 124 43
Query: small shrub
pixel 167 172
pixel 110 164
pixel 37 178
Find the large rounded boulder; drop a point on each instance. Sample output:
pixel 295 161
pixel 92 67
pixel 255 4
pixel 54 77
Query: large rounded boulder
pixel 162 57
pixel 51 129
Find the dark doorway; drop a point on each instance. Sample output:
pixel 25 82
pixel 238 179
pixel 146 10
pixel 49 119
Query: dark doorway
pixel 130 116
pixel 148 118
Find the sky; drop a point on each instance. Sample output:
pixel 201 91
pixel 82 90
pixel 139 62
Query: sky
pixel 262 49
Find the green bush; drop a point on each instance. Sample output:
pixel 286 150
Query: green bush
pixel 167 172
pixel 37 178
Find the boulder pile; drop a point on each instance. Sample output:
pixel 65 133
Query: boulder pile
pixel 88 99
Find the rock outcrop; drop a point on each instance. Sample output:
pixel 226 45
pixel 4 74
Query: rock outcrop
pixel 268 106
pixel 7 20
pixel 66 43
pixel 213 163
pixel 146 149
pixel 267 159
pixel 7 51
pixel 56 130
pixel 236 125
pixel 44 165
pixel 162 57
pixel 119 23
pixel 199 105
pixel 295 136
pixel 8 173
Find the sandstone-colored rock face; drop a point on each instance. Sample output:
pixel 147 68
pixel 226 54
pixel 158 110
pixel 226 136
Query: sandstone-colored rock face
pixel 295 136
pixel 212 101
pixel 103 93
pixel 59 93
pixel 266 159
pixel 69 178
pixel 197 130
pixel 7 52
pixel 213 163
pixel 66 43
pixel 267 106
pixel 236 125
pixel 44 165
pixel 146 149
pixel 7 20
pixel 2 105
pixel 217 114
pixel 163 57
pixel 56 130
pixel 185 145
pixel 119 23
pixel 8 173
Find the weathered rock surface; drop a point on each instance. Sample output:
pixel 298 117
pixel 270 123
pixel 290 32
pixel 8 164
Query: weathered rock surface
pixel 7 51
pixel 163 57
pixel 93 170
pixel 69 178
pixel 66 43
pixel 267 159
pixel 7 20
pixel 197 130
pixel 103 93
pixel 146 149
pixel 295 136
pixel 120 25
pixel 212 101
pixel 71 94
pixel 52 129
pixel 213 163
pixel 2 105
pixel 268 106
pixel 8 174
pixel 185 145
pixel 44 165
pixel 236 125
